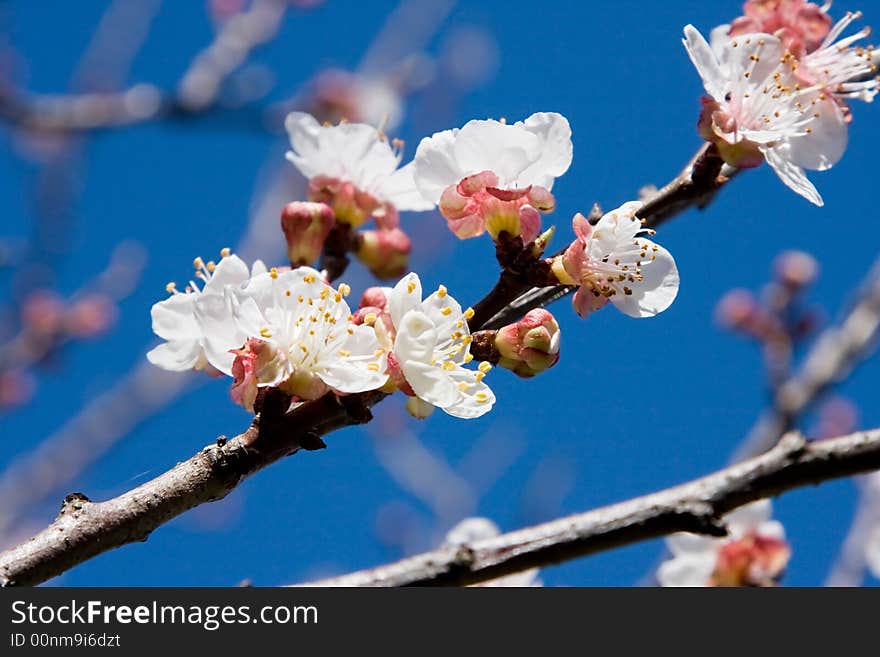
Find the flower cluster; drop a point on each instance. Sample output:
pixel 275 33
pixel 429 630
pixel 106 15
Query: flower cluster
pixel 291 330
pixel 754 553
pixel 778 81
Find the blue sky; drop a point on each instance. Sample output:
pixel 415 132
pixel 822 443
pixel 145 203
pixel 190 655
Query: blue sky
pixel 633 405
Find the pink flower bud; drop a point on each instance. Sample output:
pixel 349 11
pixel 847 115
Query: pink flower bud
pixel 16 388
pixel 531 345
pixel 736 309
pixel 796 269
pixel 374 297
pixel 42 313
pixel 90 316
pixel 384 252
pixel 350 205
pixel 306 226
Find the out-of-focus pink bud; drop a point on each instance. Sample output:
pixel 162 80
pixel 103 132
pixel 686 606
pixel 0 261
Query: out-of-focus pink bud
pixel 531 345
pixel 736 309
pixel 800 25
pixel 16 388
pixel 42 313
pixel 796 269
pixel 837 417
pixel 90 316
pixel 306 226
pixel 754 560
pixel 384 252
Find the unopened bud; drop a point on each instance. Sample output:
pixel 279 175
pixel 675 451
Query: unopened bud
pixel 384 252
pixel 42 313
pixel 531 345
pixel 306 226
pixel 796 269
pixel 736 309
pixel 90 316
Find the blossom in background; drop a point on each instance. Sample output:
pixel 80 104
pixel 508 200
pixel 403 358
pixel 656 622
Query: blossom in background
pixel 195 323
pixel 755 552
pixel 800 25
pixel 476 529
pixel 352 168
pixel 428 341
pixel 300 338
pixel 612 262
pixel 493 176
pixel 758 109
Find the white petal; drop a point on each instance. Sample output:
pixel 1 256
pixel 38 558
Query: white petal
pixel 657 289
pixel 556 149
pixel 400 189
pixel 748 518
pixel 173 318
pixel 230 271
pixel 686 571
pixel 435 167
pixel 406 296
pixel 431 383
pixel 221 332
pixel 824 146
pixel 507 150
pixel 792 175
pixel 706 63
pixel 686 543
pixel 416 339
pixel 772 529
pixel 872 552
pixel 354 373
pixel 176 356
pixel 475 401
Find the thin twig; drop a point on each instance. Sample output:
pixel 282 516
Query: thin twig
pixel 697 506
pixel 835 353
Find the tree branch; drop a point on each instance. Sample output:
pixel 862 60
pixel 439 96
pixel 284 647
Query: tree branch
pixel 697 506
pixel 84 529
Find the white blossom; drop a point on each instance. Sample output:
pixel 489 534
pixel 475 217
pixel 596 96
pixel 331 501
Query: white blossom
pixel 612 261
pixel 696 559
pixel 531 152
pixel 197 324
pixel 431 347
pixel 761 109
pixel 355 153
pixel 304 327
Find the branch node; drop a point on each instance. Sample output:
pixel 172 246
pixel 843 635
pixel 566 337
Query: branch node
pixel 73 502
pixel 311 441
